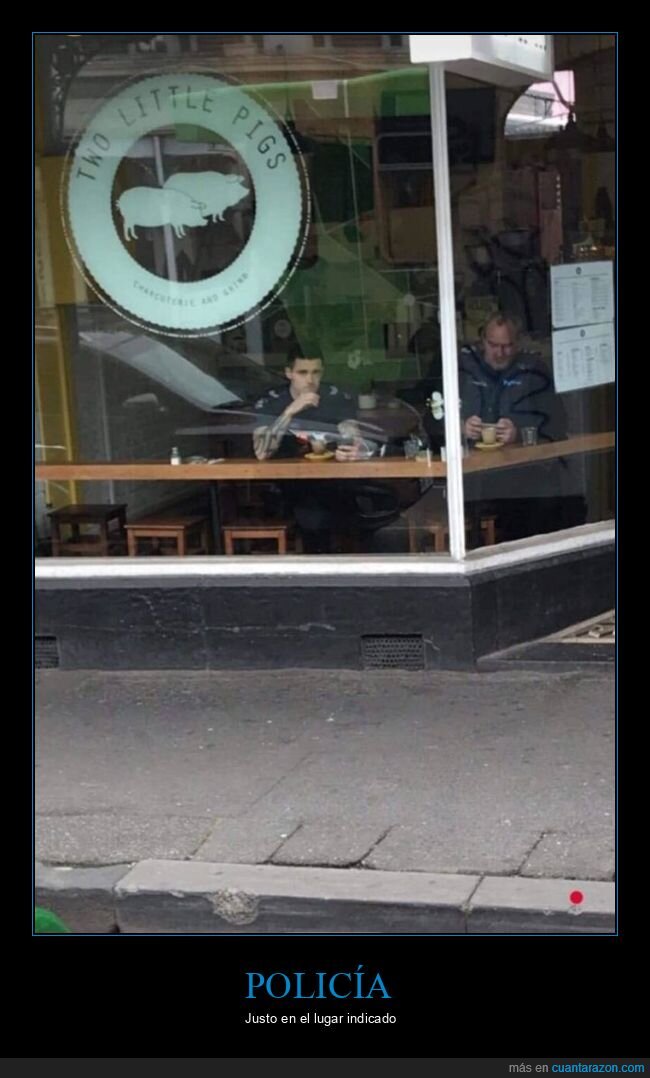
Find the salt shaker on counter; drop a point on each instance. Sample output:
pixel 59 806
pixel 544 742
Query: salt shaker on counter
pixel 175 457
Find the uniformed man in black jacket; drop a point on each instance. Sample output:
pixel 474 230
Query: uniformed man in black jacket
pixel 503 385
pixel 513 389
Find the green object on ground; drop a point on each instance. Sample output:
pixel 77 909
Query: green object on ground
pixel 47 922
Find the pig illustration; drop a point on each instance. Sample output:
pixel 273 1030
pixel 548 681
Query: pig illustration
pixel 150 207
pixel 215 189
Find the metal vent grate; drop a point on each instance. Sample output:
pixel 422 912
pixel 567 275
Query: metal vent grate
pixel 46 652
pixel 392 653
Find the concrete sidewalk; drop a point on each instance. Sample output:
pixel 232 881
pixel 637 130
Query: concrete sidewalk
pixel 326 801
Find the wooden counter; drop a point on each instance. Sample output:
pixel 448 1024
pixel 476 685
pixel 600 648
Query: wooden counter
pixel 388 468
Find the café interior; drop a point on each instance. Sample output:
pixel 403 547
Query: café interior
pixel 144 437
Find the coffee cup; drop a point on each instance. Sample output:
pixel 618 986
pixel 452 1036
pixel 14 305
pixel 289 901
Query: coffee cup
pixel 488 433
pixel 318 446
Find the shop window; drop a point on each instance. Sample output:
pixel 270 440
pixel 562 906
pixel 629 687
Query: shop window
pixel 363 293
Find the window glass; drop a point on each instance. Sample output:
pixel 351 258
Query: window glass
pixel 534 233
pixel 257 294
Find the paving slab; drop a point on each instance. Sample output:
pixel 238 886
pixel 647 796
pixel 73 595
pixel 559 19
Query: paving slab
pixel 452 846
pixel 114 838
pixel 250 839
pixel 573 856
pixel 336 842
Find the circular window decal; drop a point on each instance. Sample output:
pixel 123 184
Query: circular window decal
pixel 185 204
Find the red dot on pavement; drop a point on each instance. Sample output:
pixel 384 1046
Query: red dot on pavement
pixel 576 897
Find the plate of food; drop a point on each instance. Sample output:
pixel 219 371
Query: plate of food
pixel 319 456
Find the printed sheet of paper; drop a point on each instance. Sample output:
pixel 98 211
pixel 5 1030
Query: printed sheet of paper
pixel 582 294
pixel 583 356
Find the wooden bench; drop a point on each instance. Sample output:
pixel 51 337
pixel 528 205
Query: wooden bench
pixel 182 531
pixel 109 522
pixel 276 530
pixel 439 529
pixel 429 515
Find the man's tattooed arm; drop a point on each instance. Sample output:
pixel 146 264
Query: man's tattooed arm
pixel 267 439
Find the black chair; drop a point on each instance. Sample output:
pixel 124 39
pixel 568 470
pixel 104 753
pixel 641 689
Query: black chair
pixel 373 506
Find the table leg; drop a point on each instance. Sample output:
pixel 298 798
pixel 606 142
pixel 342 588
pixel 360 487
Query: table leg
pixel 215 514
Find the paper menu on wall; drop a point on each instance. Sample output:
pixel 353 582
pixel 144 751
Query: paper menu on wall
pixel 583 356
pixel 582 294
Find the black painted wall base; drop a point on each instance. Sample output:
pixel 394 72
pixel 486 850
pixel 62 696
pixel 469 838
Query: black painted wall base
pixel 210 623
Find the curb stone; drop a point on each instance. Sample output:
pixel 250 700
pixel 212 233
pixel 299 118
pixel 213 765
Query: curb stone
pixel 167 896
pixel 83 897
pixel 213 898
pixel 522 904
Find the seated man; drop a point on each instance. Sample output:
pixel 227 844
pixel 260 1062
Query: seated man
pixel 501 384
pixel 320 407
pixel 308 404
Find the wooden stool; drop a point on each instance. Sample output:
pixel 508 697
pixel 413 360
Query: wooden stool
pixel 277 530
pixel 100 517
pixel 488 530
pixel 179 529
pixel 439 529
